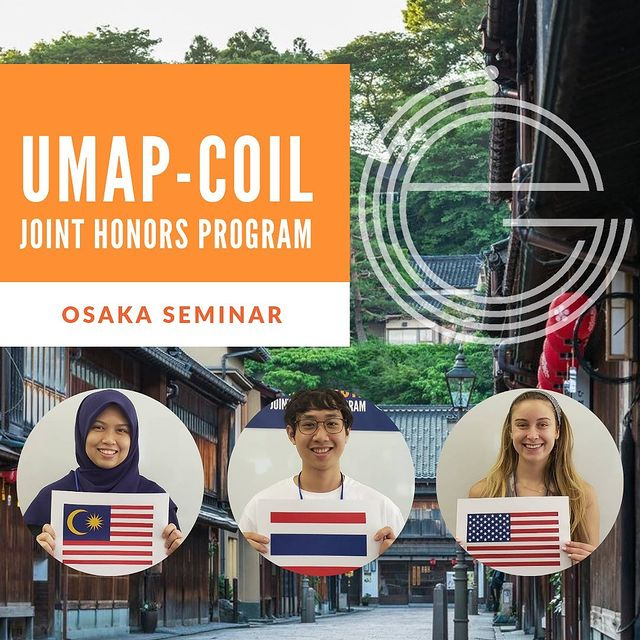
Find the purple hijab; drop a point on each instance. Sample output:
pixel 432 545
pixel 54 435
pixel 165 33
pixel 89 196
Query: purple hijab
pixel 124 478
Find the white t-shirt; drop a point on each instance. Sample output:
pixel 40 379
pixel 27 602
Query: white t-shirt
pixel 287 489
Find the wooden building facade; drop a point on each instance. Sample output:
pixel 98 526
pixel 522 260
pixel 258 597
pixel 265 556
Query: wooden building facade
pixel 424 552
pixel 580 60
pixel 265 591
pixel 56 601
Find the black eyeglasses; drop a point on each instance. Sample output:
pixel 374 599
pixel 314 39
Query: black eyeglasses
pixel 308 426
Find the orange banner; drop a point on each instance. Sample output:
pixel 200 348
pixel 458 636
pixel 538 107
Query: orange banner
pixel 175 173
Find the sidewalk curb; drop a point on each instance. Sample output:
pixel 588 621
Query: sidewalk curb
pixel 259 622
pixel 167 633
pixel 507 634
pixel 164 633
pixel 481 627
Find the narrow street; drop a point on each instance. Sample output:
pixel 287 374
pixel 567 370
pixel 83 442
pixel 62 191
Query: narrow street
pixel 409 623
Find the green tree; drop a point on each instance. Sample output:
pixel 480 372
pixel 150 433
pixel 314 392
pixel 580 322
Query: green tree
pixel 450 24
pixel 455 222
pixel 201 51
pixel 301 49
pixel 386 68
pixel 370 302
pixel 243 48
pixel 382 373
pixel 104 45
pixel 13 56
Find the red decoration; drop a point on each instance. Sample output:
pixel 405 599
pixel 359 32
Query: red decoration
pixel 559 310
pixel 557 352
pixel 547 378
pixel 9 476
pixel 558 361
pixel 553 337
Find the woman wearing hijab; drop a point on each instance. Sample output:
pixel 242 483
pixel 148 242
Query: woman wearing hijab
pixel 106 441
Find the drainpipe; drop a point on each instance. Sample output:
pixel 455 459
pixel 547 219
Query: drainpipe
pixel 629 625
pixel 236 354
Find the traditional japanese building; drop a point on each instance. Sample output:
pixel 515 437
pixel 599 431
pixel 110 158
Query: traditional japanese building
pixel 423 553
pixel 580 61
pixel 463 274
pixel 39 595
pixel 265 590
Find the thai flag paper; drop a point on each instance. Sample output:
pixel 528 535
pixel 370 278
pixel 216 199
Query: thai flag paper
pixel 521 536
pixel 109 533
pixel 319 537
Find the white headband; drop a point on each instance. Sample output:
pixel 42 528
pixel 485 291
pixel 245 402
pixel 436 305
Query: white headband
pixel 554 403
pixel 556 406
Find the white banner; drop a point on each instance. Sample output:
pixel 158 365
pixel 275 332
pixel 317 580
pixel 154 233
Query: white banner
pixel 191 314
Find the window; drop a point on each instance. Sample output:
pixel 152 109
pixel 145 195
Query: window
pixel 44 381
pixel 409 336
pixel 201 418
pixel 402 336
pixel 425 521
pixel 426 335
pixel 88 376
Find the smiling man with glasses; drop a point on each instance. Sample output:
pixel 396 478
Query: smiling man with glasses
pixel 318 424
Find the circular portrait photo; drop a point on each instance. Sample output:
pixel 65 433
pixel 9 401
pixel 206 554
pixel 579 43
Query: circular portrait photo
pixel 321 483
pixel 110 482
pixel 530 482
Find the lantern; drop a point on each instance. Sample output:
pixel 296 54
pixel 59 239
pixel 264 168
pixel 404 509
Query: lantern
pixel 558 361
pixel 546 379
pixel 460 381
pixel 559 310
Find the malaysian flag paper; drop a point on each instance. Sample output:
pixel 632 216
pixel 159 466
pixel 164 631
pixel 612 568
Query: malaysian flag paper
pixel 520 536
pixel 109 533
pixel 319 537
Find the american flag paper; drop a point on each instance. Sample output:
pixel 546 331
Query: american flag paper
pixel 109 534
pixel 520 536
pixel 320 537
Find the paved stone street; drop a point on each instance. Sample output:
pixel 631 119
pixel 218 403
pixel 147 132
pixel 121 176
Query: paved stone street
pixel 406 623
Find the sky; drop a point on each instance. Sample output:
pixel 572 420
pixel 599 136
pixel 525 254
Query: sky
pixel 324 24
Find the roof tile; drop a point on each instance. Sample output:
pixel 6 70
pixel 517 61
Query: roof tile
pixel 425 428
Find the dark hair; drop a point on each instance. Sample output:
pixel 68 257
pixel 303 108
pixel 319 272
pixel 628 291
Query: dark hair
pixel 302 401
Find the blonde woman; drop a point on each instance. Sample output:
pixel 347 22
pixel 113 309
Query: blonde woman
pixel 535 459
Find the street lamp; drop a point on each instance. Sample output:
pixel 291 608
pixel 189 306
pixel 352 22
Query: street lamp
pixel 460 381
